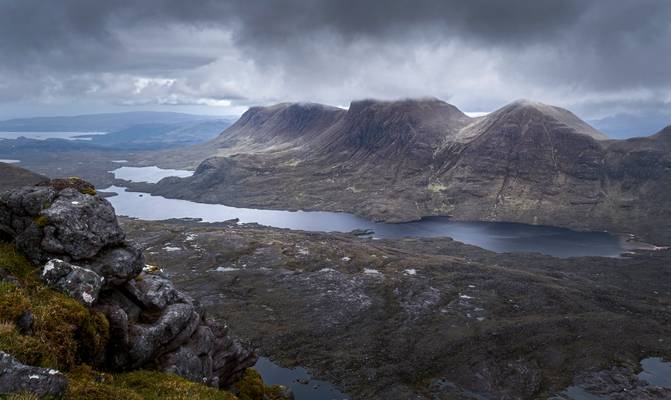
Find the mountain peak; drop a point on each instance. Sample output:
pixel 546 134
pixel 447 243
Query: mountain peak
pixel 528 110
pixel 429 110
pixel 408 128
pixel 282 122
pixel 408 103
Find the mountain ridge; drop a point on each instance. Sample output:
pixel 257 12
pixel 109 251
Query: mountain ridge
pixel 403 160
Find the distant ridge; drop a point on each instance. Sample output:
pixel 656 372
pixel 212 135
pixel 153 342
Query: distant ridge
pixel 98 122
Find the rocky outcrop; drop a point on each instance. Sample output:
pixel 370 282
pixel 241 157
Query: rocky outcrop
pixel 16 377
pixel 154 324
pixel 64 226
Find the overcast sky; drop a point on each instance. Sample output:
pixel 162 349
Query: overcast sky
pixel 597 58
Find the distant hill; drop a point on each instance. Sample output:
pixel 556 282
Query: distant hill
pixel 13 177
pixel 98 122
pixel 160 135
pixel 623 125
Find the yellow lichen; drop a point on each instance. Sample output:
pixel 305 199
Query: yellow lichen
pixel 436 187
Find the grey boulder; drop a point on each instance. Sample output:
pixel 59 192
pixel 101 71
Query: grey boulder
pixel 117 265
pixel 19 378
pixel 79 283
pixel 79 225
pixel 155 291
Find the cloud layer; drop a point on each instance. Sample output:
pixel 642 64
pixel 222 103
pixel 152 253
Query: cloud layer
pixel 598 58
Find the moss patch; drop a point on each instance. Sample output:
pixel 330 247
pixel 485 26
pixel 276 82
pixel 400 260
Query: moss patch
pixel 23 396
pixel 73 182
pixel 64 331
pixel 251 387
pixel 42 221
pixel 15 263
pixel 13 302
pixel 85 383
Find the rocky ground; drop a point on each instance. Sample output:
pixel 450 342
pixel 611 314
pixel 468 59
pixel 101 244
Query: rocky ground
pixel 424 318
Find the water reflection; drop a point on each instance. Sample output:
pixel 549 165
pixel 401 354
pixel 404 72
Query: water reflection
pixel 49 135
pixel 298 380
pixel 147 174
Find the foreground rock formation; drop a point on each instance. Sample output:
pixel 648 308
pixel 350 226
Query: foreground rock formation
pixel 16 377
pixel 64 226
pixel 397 161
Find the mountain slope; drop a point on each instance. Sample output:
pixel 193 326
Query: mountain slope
pixel 277 127
pixel 397 161
pixel 160 135
pixel 13 177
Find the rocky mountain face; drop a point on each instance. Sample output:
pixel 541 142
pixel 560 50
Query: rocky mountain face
pixel 73 233
pixel 278 127
pixel 397 161
pixel 408 130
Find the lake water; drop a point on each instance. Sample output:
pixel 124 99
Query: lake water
pixel 2 160
pixel 48 135
pixel 656 373
pixel 147 174
pixel 298 380
pixel 494 236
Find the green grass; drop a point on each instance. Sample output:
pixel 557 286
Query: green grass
pixel 65 332
pixel 251 387
pixel 85 383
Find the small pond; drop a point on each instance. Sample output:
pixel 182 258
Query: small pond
pixel 298 380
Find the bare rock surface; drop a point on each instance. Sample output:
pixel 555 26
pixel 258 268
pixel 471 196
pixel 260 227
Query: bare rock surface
pixel 16 377
pixel 77 282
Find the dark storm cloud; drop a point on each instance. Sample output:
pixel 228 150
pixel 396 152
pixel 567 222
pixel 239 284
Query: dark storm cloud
pixel 38 29
pixel 482 53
